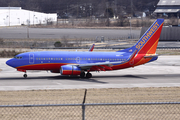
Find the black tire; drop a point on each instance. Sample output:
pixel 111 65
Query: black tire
pixel 88 75
pixel 82 75
pixel 25 75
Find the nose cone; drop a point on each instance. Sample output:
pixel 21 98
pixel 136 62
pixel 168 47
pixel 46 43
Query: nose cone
pixel 10 63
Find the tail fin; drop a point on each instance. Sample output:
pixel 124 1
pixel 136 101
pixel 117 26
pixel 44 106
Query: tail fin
pixel 147 44
pixel 91 48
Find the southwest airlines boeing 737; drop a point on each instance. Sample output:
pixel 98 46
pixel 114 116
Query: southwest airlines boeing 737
pixel 82 63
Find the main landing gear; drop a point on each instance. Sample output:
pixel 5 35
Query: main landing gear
pixel 88 75
pixel 82 75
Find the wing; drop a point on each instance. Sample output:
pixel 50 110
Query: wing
pixel 107 64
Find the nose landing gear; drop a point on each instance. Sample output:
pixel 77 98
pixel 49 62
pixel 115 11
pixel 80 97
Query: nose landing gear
pixel 25 75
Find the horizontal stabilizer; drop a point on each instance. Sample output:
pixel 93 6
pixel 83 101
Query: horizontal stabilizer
pixel 151 56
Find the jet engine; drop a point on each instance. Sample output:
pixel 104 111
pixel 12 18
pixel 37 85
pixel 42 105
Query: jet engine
pixel 70 70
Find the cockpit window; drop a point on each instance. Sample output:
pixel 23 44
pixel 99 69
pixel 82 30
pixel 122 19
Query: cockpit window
pixel 17 57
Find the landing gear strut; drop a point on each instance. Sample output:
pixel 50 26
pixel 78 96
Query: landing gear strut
pixel 25 75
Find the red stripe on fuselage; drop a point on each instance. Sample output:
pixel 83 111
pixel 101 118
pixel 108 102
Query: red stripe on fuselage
pixel 45 66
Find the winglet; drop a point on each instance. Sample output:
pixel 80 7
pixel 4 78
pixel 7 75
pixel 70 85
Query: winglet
pixel 91 48
pixel 131 58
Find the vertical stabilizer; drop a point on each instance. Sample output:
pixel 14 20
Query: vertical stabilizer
pixel 147 44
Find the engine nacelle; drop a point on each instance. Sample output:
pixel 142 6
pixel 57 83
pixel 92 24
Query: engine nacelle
pixel 70 70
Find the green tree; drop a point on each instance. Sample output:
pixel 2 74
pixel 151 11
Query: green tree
pixel 57 44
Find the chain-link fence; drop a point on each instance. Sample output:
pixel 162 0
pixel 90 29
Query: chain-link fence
pixel 103 111
pixel 93 104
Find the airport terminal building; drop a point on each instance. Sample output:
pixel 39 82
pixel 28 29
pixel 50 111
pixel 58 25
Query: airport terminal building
pixel 170 8
pixel 15 16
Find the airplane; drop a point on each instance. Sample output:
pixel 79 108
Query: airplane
pixel 82 63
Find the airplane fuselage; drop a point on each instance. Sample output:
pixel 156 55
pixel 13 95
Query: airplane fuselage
pixel 53 60
pixel 49 60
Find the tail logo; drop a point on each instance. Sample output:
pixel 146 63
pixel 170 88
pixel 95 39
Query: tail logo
pixel 148 35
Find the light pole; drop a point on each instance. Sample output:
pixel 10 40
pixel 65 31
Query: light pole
pixel 27 31
pixel 33 19
pixel 107 8
pixel 178 18
pixel 130 27
pixel 7 18
pixel 18 20
pixel 4 21
pixel 9 15
pixel 36 20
